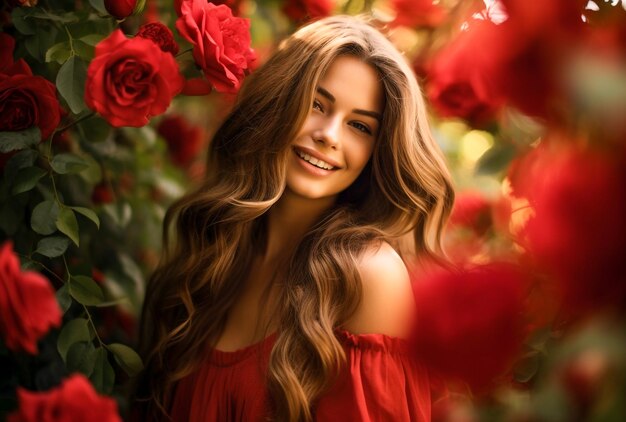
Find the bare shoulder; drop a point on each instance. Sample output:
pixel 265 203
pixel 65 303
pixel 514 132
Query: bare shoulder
pixel 387 303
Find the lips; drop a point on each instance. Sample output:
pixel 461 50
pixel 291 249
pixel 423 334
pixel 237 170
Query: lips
pixel 316 159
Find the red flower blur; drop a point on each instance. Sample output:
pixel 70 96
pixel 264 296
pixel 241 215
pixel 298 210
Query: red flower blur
pixel 472 211
pixel 102 194
pixel 131 80
pixel 469 323
pixel 457 85
pixel 25 100
pixel 28 305
pixel 75 400
pixel 418 13
pixel 519 60
pixel 184 140
pixel 160 34
pixel 578 232
pixel 302 10
pixel 221 42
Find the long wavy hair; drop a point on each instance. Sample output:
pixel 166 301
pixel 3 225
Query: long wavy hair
pixel 212 233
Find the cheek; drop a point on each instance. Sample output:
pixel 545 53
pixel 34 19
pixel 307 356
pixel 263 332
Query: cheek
pixel 359 155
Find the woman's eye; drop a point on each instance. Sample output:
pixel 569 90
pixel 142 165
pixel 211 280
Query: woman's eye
pixel 317 105
pixel 361 127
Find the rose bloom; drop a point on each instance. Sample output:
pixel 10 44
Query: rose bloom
pixel 456 82
pixel 22 3
pixel 75 400
pixel 301 10
pixel 184 140
pixel 25 100
pixel 578 232
pixel 221 42
pixel 415 13
pixel 120 9
pixel 235 5
pixel 28 305
pixel 469 323
pixel 131 80
pixel 160 34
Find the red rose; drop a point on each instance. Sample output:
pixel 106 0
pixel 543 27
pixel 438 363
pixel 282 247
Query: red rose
pixel 184 140
pixel 578 232
pixel 221 42
pixel 160 34
pixel 120 9
pixel 25 100
pixel 418 13
pixel 235 5
pixel 469 323
pixel 300 10
pixel 457 82
pixel 131 80
pixel 28 305
pixel 75 400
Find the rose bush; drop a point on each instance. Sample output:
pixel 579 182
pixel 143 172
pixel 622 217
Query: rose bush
pixel 131 80
pixel 74 400
pixel 221 42
pixel 28 306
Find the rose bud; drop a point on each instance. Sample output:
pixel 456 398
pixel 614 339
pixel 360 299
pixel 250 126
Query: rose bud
pixel 121 9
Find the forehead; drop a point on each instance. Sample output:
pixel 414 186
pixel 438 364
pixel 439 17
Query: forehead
pixel 354 84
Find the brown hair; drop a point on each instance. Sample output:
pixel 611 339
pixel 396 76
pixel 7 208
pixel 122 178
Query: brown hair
pixel 404 190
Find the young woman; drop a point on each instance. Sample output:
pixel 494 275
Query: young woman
pixel 284 294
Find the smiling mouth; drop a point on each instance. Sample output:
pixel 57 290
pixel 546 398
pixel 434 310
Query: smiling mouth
pixel 314 161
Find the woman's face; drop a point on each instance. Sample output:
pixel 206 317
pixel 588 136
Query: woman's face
pixel 338 136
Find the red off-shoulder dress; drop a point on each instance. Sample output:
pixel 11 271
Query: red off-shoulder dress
pixel 379 383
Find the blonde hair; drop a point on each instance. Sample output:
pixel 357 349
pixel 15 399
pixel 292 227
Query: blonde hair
pixel 404 190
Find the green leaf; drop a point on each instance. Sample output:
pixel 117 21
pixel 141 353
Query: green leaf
pixel 44 217
pixel 23 25
pixel 64 299
pixel 81 357
pixel 84 50
pixel 13 141
pixel 127 358
pixel 92 39
pixel 71 83
pixel 90 214
pixel 495 159
pixel 99 6
pixel 22 159
pixel 59 53
pixel 85 290
pixel 120 212
pixel 26 179
pixel 103 376
pixel 52 246
pixel 68 17
pixel 68 163
pixel 74 331
pixel 39 43
pixel 67 224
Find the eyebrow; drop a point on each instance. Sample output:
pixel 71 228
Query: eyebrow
pixel 330 97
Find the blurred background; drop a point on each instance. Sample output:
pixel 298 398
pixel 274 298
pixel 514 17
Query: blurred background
pixel 527 101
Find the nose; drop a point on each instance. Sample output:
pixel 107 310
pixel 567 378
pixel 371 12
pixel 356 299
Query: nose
pixel 329 132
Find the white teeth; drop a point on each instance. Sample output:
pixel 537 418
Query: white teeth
pixel 317 163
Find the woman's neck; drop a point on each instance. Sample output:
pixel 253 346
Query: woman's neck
pixel 289 220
